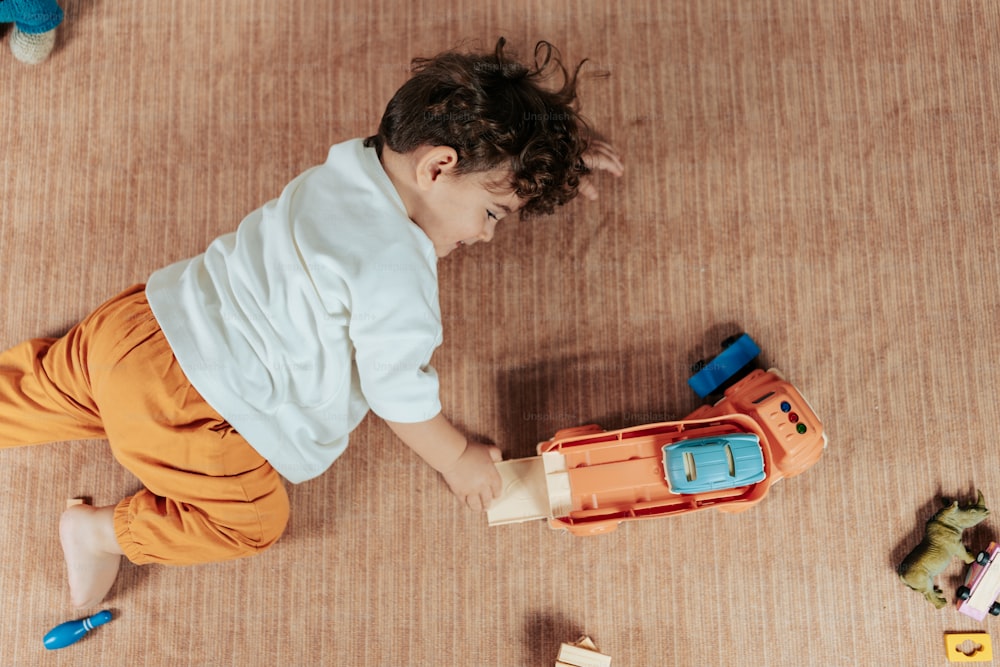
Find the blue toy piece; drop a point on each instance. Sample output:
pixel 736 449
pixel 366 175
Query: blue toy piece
pixel 71 632
pixel 710 375
pixel 713 463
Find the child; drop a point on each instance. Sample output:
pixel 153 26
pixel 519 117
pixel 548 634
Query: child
pixel 256 359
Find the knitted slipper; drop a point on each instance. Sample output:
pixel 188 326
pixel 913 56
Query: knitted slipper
pixel 32 49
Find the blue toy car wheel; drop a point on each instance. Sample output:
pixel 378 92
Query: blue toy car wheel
pixel 729 342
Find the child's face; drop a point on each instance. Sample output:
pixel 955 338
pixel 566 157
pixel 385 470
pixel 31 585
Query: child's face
pixel 460 210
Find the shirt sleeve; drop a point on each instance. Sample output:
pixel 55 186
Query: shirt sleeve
pixel 395 327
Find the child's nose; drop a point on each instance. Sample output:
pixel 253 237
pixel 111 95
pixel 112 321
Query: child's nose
pixel 487 234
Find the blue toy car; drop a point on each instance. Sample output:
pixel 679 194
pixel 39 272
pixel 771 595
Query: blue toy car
pixel 713 463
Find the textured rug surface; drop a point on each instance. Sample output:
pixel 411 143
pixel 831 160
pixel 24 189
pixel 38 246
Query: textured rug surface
pixel 821 175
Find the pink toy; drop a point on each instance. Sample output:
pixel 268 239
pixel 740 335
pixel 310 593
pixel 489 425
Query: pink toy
pixel 978 595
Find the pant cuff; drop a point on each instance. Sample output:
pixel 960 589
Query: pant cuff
pixel 123 532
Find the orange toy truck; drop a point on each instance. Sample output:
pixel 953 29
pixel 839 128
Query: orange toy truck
pixel 587 480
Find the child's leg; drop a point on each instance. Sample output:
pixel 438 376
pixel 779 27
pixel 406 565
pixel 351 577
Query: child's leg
pixel 208 495
pixel 43 394
pixel 203 518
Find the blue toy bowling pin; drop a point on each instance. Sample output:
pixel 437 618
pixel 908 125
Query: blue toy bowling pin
pixel 71 632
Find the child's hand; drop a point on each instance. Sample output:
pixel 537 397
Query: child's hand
pixel 467 467
pixel 600 156
pixel 474 477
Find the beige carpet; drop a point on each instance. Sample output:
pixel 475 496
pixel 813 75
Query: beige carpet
pixel 821 174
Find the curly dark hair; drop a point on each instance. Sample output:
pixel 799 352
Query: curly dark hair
pixel 496 114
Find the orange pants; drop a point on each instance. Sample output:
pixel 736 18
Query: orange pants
pixel 208 495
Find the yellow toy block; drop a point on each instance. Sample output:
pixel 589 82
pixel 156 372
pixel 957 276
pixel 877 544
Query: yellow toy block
pixel 968 646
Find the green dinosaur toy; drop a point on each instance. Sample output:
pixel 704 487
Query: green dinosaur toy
pixel 942 541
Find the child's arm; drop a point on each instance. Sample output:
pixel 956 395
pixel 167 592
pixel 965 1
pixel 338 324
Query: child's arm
pixel 467 467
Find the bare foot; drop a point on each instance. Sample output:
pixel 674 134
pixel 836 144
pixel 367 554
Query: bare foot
pixel 91 551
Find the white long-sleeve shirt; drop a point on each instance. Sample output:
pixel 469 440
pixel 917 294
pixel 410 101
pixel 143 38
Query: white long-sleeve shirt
pixel 321 305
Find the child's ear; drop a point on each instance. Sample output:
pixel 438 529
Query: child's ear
pixel 434 162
